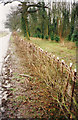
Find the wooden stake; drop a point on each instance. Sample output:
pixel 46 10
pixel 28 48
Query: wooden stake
pixel 67 80
pixel 53 58
pixel 62 66
pixel 73 86
pixel 57 62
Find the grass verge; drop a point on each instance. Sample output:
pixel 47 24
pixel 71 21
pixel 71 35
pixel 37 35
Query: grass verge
pixel 65 51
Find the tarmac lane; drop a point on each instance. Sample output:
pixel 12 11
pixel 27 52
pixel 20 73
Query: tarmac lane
pixel 4 43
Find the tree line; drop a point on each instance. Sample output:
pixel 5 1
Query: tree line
pixel 55 20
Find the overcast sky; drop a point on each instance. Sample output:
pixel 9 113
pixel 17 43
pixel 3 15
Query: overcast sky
pixel 4 10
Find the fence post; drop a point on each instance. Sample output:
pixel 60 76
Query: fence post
pixel 62 66
pixel 57 62
pixel 39 52
pixel 69 74
pixel 68 80
pixel 36 50
pixel 49 57
pixel 70 67
pixel 30 48
pixel 33 53
pixel 73 86
pixel 53 58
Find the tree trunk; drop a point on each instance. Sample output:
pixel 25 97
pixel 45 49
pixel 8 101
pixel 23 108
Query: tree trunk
pixel 27 34
pixel 25 13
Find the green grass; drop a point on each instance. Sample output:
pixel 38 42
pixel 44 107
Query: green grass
pixel 65 51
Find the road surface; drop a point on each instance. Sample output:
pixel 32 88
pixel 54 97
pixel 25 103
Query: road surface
pixel 4 42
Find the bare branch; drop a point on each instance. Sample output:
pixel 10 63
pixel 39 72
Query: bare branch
pixel 33 11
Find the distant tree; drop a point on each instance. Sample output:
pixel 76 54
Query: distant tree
pixel 23 26
pixel 74 20
pixel 65 20
pixel 33 22
pixel 43 20
pixel 24 8
pixel 13 20
pixel 49 23
pixel 36 20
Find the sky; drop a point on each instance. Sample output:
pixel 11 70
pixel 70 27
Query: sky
pixel 4 10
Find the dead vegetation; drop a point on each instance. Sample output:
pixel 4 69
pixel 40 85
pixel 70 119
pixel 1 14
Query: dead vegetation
pixel 38 86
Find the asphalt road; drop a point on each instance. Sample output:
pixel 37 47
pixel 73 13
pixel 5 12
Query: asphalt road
pixel 4 42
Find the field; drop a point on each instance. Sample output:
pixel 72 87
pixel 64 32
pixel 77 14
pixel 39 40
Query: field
pixel 65 51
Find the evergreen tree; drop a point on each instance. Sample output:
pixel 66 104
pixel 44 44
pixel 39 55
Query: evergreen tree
pixel 23 26
pixel 59 20
pixel 33 22
pixel 74 21
pixel 43 20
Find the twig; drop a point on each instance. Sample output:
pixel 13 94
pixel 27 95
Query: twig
pixel 24 75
